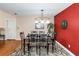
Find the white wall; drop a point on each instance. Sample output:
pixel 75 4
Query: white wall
pixel 27 24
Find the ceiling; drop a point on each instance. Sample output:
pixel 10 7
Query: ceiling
pixel 30 9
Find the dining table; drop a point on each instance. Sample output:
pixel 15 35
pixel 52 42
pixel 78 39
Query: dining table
pixel 37 41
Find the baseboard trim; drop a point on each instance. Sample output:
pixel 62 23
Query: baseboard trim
pixel 65 49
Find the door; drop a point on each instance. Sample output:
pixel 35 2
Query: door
pixel 10 28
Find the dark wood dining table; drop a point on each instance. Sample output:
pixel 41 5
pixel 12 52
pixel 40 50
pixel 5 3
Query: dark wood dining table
pixel 40 40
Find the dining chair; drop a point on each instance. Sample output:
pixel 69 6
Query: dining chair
pixel 22 36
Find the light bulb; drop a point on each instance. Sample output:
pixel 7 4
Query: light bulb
pixel 42 21
pixel 47 22
pixel 36 21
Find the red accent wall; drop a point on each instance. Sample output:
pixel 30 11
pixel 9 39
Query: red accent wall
pixel 70 35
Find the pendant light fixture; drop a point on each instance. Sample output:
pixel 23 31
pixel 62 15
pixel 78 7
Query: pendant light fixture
pixel 42 18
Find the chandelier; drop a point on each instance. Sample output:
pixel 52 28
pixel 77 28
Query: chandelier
pixel 42 18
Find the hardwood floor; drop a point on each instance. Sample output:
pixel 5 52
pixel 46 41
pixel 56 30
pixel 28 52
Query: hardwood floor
pixel 8 47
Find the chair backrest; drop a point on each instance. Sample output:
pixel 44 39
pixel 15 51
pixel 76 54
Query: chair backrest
pixel 34 32
pixel 41 32
pixel 22 36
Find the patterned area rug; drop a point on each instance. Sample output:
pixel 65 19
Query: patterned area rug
pixel 57 51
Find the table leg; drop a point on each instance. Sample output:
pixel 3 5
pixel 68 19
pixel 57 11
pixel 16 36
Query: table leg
pixel 24 46
pixel 36 49
pixel 47 46
pixel 29 50
pixel 47 49
pixel 53 43
pixel 39 50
